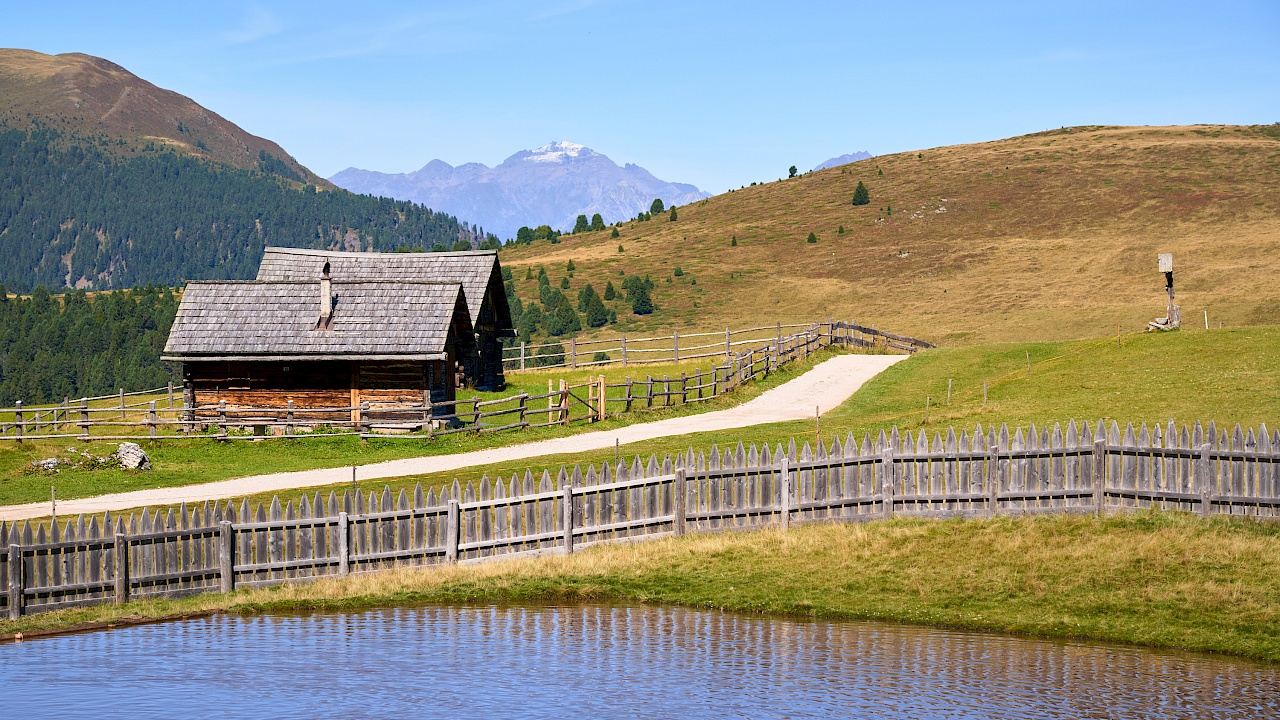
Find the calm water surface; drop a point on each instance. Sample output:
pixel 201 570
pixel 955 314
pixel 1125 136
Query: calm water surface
pixel 602 662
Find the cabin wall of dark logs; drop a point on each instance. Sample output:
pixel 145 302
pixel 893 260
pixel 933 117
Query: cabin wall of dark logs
pixel 316 384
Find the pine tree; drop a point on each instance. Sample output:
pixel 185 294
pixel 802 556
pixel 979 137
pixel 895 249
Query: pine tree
pixel 791 171
pixel 609 291
pixel 673 214
pixel 581 225
pixel 597 314
pixel 812 238
pixel 569 266
pixel 640 302
pixel 597 222
pixel 656 207
pixel 860 194
pixel 614 234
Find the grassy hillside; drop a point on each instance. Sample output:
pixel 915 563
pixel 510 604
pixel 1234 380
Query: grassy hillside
pixel 1051 236
pixel 91 97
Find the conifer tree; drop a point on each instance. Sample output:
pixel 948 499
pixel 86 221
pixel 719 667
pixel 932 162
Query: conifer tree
pixel 656 207
pixel 812 238
pixel 673 214
pixel 581 225
pixel 860 194
pixel 597 222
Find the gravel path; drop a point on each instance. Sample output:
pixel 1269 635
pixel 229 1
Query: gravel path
pixel 824 387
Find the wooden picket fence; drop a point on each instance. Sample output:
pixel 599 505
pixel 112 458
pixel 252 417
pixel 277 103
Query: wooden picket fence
pixel 220 547
pixel 566 404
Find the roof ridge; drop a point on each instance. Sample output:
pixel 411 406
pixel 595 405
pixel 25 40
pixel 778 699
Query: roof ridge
pixel 366 253
pixel 332 280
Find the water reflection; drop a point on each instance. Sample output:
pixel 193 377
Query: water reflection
pixel 596 662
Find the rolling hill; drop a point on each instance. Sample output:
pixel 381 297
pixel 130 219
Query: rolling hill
pixel 1047 236
pixel 88 96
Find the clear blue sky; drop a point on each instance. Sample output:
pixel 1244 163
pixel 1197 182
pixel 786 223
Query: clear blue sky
pixel 717 94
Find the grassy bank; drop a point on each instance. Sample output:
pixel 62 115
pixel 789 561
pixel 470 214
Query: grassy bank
pixel 186 462
pixel 1156 579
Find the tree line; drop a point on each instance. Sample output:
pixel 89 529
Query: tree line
pixel 73 215
pixel 83 345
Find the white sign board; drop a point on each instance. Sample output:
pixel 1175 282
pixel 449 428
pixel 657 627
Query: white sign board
pixel 1166 262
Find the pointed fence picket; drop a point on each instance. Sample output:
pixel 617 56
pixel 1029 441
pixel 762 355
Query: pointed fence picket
pixel 1086 468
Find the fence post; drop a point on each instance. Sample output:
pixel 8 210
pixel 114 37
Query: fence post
pixel 122 403
pixel 15 582
pixel 17 417
pixel 728 344
pixel 993 480
pixel 684 389
pixel 344 544
pixel 568 519
pixel 521 354
pixel 362 420
pixel 886 481
pixel 1099 476
pixel 84 418
pixel 120 558
pixel 151 419
pixel 451 534
pixel 675 345
pixel 170 394
pixel 288 418
pixel 600 396
pixel 627 406
pixel 188 407
pixel 624 350
pixel 524 408
pixel 222 419
pixel 1204 478
pixel 573 353
pixel 564 402
pixel 784 468
pixel 678 494
pixel 226 556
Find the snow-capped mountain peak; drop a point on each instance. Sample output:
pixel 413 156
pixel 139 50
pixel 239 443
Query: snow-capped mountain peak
pixel 558 152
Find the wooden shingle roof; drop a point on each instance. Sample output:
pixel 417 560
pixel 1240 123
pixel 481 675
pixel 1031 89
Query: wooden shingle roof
pixel 260 320
pixel 477 271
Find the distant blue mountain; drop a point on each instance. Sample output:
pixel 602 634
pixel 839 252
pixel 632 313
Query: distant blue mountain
pixel 551 185
pixel 842 160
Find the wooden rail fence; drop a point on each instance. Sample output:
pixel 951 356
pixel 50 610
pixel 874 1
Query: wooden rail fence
pixel 591 401
pixel 573 353
pixel 219 547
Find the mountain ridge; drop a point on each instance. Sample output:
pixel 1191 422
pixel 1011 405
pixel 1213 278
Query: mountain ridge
pixel 843 160
pixel 549 185
pixel 93 97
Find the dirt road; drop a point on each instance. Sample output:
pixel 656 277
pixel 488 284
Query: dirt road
pixel 824 387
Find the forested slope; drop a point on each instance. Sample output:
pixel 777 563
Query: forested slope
pixel 74 215
pixel 83 346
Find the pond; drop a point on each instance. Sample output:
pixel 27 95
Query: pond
pixel 604 661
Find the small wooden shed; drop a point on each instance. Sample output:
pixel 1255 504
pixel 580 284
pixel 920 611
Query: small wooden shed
pixel 478 272
pixel 324 343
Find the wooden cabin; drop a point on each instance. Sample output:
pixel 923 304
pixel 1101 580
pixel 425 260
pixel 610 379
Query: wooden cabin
pixel 328 342
pixel 478 272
